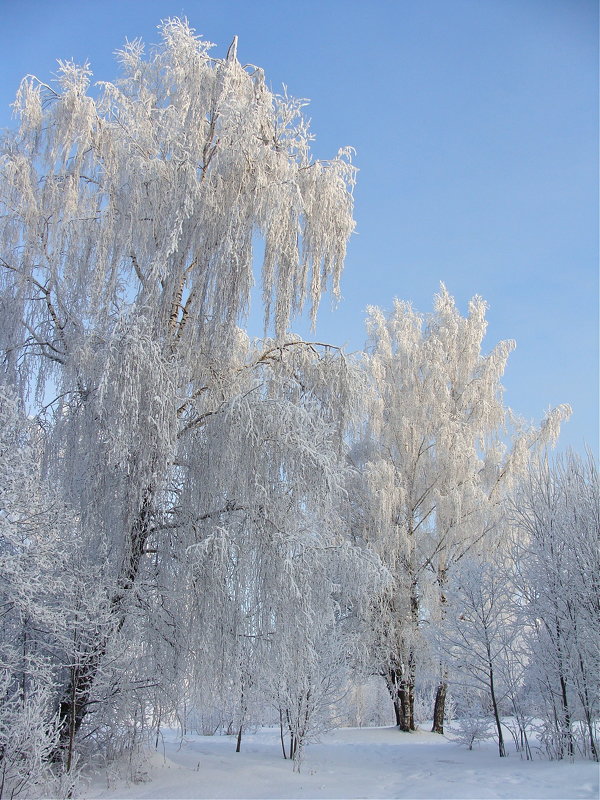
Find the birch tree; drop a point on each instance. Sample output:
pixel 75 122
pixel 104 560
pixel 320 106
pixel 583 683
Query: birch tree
pixel 127 217
pixel 435 468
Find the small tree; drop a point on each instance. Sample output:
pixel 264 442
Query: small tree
pixel 473 724
pixel 477 634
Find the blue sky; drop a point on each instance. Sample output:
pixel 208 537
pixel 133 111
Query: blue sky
pixel 476 129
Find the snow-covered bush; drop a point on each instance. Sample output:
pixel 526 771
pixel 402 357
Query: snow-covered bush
pixel 36 598
pixel 28 736
pixel 474 723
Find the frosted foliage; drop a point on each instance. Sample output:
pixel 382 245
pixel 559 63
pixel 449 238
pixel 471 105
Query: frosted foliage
pixel 438 432
pixel 126 234
pixel 128 213
pixel 26 739
pixel 145 199
pixel 248 564
pixel 555 576
pixel 279 588
pixel 38 539
pixel 41 598
pixel 434 458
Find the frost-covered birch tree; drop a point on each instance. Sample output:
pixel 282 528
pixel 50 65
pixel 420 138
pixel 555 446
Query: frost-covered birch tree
pixel 128 212
pixel 435 467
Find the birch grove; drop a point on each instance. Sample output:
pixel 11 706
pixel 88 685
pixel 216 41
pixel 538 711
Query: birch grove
pixel 201 529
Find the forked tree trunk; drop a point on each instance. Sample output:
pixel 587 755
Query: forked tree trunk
pixel 402 695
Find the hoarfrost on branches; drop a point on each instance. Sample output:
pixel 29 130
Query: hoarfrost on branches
pixel 201 529
pixel 435 469
pixel 555 575
pixel 126 232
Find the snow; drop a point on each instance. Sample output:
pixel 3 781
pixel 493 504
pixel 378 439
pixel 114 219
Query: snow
pixel 346 763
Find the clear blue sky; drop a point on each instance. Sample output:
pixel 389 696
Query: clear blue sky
pixel 476 129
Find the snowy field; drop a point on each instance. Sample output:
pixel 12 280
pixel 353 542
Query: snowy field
pixel 347 763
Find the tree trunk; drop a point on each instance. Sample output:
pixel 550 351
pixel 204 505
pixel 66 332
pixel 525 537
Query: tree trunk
pixel 74 704
pixel 501 748
pixel 566 732
pixel 439 708
pixel 402 694
pixel 586 705
pixel 281 733
pixel 410 692
pixel 409 708
pixel 398 711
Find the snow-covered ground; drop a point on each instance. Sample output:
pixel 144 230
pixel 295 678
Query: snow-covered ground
pixel 347 763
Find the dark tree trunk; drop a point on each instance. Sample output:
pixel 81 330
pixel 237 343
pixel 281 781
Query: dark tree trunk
pixel 238 746
pixel 293 737
pixel 408 707
pixel 398 711
pixel 75 701
pixel 410 693
pixel 73 706
pixel 586 705
pixel 439 708
pixel 566 733
pixel 281 733
pixel 402 694
pixel 501 748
